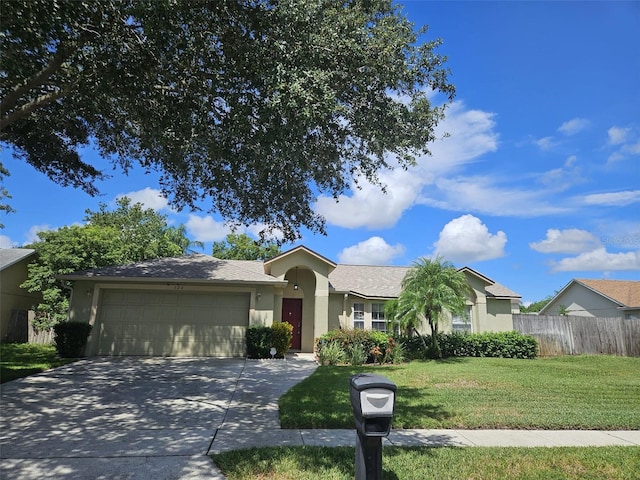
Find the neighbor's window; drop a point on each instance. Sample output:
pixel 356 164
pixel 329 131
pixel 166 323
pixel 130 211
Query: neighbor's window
pixel 377 317
pixel 463 323
pixel 358 315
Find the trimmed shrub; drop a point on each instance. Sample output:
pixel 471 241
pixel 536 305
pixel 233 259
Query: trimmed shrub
pixel 258 341
pixel 71 338
pixel 281 336
pixel 490 344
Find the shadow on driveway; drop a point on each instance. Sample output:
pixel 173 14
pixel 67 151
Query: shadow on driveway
pixel 135 417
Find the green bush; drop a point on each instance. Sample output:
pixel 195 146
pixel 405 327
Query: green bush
pixel 356 355
pixel 331 353
pixel 258 341
pixel 373 342
pixel 71 338
pixel 281 336
pixel 490 344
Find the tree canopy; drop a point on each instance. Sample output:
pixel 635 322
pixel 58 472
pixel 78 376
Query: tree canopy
pixel 243 247
pixel 255 106
pixel 127 234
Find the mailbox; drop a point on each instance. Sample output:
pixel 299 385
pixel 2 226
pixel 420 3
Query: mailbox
pixel 373 402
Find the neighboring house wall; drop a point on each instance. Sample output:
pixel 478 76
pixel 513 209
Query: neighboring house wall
pixel 580 301
pixel 12 297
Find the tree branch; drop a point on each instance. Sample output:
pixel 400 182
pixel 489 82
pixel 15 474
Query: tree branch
pixel 28 108
pixel 11 99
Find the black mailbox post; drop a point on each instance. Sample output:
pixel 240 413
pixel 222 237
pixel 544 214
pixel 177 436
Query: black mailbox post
pixel 373 401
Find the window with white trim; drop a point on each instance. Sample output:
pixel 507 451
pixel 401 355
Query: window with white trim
pixel 463 323
pixel 377 317
pixel 358 315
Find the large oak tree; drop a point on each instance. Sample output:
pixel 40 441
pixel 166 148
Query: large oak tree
pixel 255 106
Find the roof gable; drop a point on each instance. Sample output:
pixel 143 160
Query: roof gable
pixel 11 256
pixel 301 248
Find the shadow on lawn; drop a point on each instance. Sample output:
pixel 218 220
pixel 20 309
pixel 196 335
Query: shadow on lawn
pixel 322 401
pixel 308 462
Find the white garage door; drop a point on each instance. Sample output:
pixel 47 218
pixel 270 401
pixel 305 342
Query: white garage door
pixel 149 322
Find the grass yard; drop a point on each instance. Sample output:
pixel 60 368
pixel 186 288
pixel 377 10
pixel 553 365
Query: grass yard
pixel 571 392
pixel 301 463
pixel 19 360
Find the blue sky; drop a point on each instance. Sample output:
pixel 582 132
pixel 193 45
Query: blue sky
pixel 538 182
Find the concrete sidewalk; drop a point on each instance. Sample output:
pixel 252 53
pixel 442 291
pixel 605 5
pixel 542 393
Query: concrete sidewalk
pixel 234 439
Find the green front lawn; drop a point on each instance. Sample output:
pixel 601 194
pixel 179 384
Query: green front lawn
pixel 19 360
pixel 579 392
pixel 302 463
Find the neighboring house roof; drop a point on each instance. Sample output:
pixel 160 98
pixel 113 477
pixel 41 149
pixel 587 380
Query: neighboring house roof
pixel 11 256
pixel 196 267
pixel 624 292
pixel 368 280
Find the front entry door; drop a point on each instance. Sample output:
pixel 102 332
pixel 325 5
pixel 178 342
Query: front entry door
pixel 292 313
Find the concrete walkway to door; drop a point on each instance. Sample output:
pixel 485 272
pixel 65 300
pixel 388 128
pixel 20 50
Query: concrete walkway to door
pixel 137 418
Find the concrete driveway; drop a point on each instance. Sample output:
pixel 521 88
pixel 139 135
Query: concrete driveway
pixel 139 418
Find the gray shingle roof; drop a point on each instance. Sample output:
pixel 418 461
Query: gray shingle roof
pixel 10 256
pixel 368 280
pixel 499 290
pixel 187 267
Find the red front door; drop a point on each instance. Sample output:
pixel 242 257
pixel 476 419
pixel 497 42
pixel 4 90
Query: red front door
pixel 292 313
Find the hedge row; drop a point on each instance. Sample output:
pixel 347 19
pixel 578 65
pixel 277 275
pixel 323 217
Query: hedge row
pixel 261 339
pixel 491 344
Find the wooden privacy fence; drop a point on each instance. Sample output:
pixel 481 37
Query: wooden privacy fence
pixel 574 335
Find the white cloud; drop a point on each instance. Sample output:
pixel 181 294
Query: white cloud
pixel 368 206
pixel 545 143
pixel 32 235
pixel 206 229
pixel 599 260
pixel 618 135
pixel 481 194
pixel 467 239
pixel 614 199
pixel 573 126
pixel 255 230
pixel 566 241
pixel 374 251
pixel 471 135
pixel 148 197
pixel 5 242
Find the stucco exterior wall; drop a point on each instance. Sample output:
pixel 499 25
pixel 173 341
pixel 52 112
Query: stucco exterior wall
pixel 583 302
pixel 12 297
pixel 338 316
pixel 499 318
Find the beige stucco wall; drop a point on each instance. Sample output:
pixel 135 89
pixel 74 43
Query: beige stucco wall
pixel 312 275
pixel 338 312
pixel 12 297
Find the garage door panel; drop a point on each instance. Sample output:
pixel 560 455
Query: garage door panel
pixel 173 323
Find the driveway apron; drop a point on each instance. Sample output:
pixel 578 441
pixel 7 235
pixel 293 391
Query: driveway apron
pixel 138 418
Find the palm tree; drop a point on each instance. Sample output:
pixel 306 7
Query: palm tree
pixel 428 289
